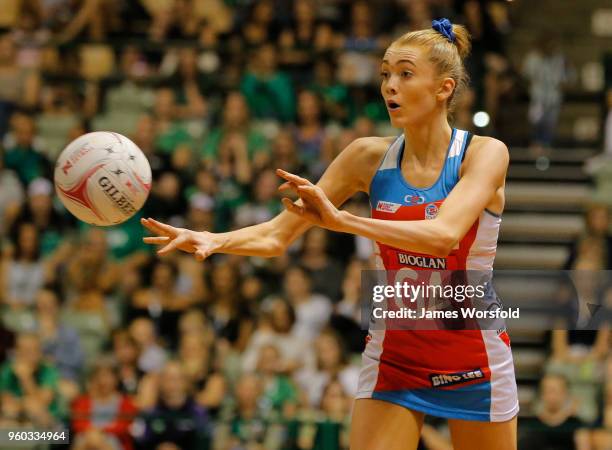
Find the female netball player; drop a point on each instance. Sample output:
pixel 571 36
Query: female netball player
pixel 436 193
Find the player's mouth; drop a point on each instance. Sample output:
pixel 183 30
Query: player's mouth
pixel 392 105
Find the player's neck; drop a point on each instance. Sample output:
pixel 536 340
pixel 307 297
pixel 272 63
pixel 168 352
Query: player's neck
pixel 428 138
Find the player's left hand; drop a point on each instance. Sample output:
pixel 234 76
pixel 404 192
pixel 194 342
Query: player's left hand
pixel 316 208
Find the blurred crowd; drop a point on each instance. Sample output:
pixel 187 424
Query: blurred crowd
pixel 134 352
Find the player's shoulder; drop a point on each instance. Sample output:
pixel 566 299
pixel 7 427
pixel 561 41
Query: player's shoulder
pixel 369 150
pixel 361 158
pixel 486 147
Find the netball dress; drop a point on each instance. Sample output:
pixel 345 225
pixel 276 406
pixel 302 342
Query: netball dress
pixel 462 374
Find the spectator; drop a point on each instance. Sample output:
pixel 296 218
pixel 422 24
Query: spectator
pixel 331 428
pixel 555 424
pixel 236 120
pixel 163 302
pixel 171 134
pixel 599 437
pixel 11 196
pixel 579 356
pixel 278 391
pixel 184 423
pixel 197 357
pixel 487 62
pixel 93 318
pixel 19 86
pixel 325 271
pixel 144 137
pixel 285 154
pixel 332 362
pixel 336 101
pixel 97 18
pixel 50 223
pixel 265 203
pixel 60 343
pixel 22 154
pixel 152 356
pixel 357 64
pixel 103 407
pixel 58 116
pixel 268 90
pixel 231 317
pixel 24 271
pixel 125 102
pixel 194 321
pixel 92 264
pixel 184 73
pixel 297 42
pixel 260 27
pixel 28 386
pixel 309 133
pixel 350 306
pixel 125 351
pixel 200 215
pixel 166 201
pixel 276 327
pixel 593 249
pixel 546 71
pixel 252 289
pixel 312 311
pixel 248 425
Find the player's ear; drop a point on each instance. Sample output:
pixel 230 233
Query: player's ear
pixel 445 90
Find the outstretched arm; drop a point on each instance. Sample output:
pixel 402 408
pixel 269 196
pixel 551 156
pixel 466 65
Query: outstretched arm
pixel 348 173
pixel 484 174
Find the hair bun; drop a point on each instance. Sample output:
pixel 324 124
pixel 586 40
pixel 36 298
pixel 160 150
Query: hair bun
pixel 462 40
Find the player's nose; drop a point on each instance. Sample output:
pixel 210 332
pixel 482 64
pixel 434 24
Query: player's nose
pixel 391 87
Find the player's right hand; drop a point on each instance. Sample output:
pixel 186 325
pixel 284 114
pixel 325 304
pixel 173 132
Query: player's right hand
pixel 201 243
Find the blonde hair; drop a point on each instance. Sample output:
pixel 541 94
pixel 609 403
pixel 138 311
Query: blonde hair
pixel 447 56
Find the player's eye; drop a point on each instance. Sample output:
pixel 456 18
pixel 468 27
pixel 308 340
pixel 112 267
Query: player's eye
pixel 384 74
pixel 406 74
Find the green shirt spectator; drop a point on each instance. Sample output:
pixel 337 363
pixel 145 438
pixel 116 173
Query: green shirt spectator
pixel 174 136
pixel 22 155
pixel 269 91
pixel 28 386
pixel 27 163
pixel 337 102
pixel 256 142
pixel 171 132
pixel 279 391
pixel 235 131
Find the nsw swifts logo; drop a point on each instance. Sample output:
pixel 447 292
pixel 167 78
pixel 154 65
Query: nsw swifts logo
pixel 431 211
pixel 388 207
pixel 413 199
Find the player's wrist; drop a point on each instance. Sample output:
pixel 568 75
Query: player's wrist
pixel 218 241
pixel 344 221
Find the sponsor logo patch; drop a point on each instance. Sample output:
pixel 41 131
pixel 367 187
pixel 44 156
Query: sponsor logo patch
pixel 426 262
pixel 414 199
pixel 448 379
pixel 388 207
pixel 431 211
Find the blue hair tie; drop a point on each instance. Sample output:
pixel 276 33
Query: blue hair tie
pixel 445 28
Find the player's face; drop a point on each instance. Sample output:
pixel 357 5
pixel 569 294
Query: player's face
pixel 410 85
